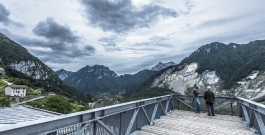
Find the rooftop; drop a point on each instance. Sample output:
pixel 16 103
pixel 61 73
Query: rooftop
pixel 17 86
pixel 19 114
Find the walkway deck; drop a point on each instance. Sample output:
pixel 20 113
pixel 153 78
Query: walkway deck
pixel 189 123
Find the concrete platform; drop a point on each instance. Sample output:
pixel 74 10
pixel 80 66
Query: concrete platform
pixel 189 123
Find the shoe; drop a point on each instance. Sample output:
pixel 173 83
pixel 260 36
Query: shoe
pixel 199 112
pixel 209 114
pixel 196 112
pixel 213 115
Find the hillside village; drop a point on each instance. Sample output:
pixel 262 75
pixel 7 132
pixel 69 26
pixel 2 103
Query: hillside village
pixel 12 93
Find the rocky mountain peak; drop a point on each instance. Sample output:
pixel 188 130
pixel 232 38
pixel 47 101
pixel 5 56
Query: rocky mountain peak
pixel 161 66
pixel 98 71
pixel 62 74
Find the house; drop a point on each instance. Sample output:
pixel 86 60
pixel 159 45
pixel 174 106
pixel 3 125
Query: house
pixel 16 90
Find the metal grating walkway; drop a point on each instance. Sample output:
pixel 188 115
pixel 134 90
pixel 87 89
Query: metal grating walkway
pixel 189 123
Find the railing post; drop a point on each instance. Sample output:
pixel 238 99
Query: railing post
pixel 173 102
pixel 120 125
pixel 239 110
pixel 94 124
pixel 231 105
pixel 178 102
pixel 94 128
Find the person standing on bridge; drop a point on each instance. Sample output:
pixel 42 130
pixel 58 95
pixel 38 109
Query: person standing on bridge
pixel 196 98
pixel 209 99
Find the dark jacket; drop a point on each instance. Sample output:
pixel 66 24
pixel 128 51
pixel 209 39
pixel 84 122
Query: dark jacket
pixel 195 93
pixel 209 96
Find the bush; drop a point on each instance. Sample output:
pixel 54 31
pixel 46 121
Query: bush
pixel 54 103
pixel 4 102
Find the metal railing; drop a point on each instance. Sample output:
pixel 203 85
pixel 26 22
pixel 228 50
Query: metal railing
pixel 121 119
pixel 126 118
pixel 253 114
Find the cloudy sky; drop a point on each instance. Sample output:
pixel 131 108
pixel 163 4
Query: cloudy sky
pixel 127 35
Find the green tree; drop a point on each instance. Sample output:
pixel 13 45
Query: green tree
pixel 58 104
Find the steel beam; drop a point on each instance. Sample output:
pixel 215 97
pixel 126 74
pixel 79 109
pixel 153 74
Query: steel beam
pixel 165 112
pixel 82 129
pixel 251 118
pixel 105 127
pixel 146 115
pixel 224 104
pixel 260 123
pixel 245 114
pixel 132 121
pixel 186 104
pixel 162 107
pixel 154 112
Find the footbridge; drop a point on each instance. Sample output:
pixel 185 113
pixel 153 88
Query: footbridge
pixel 170 114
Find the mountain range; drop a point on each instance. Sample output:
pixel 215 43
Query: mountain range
pixel 230 69
pixel 100 80
pixel 19 63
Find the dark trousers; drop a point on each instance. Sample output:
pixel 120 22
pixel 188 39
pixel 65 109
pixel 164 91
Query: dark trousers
pixel 210 108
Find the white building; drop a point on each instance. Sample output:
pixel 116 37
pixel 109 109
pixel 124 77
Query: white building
pixel 16 90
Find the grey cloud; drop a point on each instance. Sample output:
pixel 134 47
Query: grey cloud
pixel 61 39
pixel 152 44
pixel 122 16
pixel 148 63
pixel 110 43
pixel 189 7
pixel 60 50
pixel 217 22
pixel 158 39
pixel 89 48
pixel 221 21
pixel 240 37
pixel 112 49
pixel 143 48
pixel 52 30
pixel 4 17
pixel 53 59
pixel 4 14
pixel 111 39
